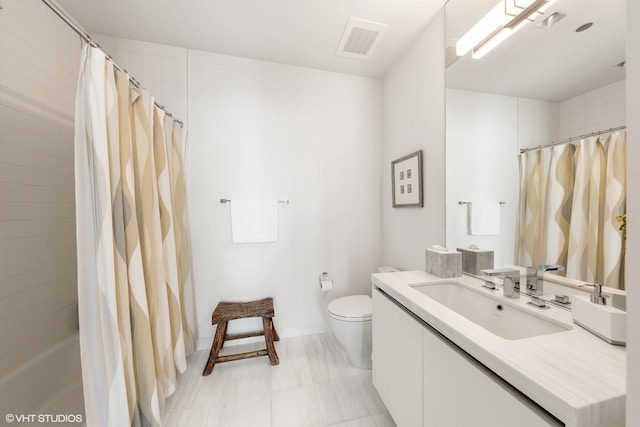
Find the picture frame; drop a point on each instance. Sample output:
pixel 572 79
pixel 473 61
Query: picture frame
pixel 406 181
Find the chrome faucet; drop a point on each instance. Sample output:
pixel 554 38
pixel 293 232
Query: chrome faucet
pixel 510 280
pixel 534 276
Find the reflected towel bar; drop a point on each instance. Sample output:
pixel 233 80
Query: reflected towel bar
pixel 468 203
pixel 285 201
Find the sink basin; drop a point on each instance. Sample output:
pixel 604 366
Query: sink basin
pixel 492 314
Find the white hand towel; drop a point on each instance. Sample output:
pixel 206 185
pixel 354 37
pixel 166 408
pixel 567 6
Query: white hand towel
pixel 254 221
pixel 484 219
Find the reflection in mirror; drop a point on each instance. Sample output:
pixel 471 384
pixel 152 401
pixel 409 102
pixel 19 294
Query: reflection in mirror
pixel 537 122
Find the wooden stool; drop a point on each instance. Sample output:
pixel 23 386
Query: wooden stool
pixel 226 311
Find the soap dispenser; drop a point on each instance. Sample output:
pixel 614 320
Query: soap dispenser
pixel 596 296
pixel 593 314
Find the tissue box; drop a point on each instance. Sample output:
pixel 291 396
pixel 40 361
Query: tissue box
pixel 444 263
pixel 474 260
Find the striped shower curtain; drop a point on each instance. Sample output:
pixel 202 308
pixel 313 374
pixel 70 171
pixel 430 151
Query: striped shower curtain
pixel 570 198
pixel 135 295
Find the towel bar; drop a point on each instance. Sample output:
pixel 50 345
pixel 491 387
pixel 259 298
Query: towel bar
pixel 468 203
pixel 285 201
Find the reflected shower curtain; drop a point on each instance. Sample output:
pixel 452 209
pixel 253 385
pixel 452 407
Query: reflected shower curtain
pixel 558 204
pixel 614 206
pixel 530 208
pixel 582 261
pixel 135 295
pixel 570 197
pixel 546 186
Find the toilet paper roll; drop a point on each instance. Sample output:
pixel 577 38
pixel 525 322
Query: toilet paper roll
pixel 326 285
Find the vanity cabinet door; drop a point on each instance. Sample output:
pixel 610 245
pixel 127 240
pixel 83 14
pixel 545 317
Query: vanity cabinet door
pixel 459 391
pixel 397 361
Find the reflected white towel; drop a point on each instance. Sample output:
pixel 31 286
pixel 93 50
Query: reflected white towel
pixel 254 221
pixel 484 219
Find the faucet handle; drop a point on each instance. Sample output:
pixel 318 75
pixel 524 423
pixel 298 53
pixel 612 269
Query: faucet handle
pixel 511 280
pixel 538 302
pixel 489 284
pixel 500 272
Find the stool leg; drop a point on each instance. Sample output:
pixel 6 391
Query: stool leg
pixel 218 341
pixel 267 324
pixel 273 329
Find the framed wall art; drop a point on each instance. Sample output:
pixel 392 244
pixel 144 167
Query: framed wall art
pixel 406 181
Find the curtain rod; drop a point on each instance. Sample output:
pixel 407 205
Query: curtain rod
pixel 575 138
pixel 86 37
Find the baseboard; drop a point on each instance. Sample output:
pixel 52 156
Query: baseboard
pixel 205 343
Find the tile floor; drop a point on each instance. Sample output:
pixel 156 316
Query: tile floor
pixel 313 386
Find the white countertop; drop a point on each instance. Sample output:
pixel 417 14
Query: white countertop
pixel 574 375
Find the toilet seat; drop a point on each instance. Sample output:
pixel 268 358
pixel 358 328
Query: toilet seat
pixel 354 308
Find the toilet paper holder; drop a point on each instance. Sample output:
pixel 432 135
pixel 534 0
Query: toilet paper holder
pixel 325 282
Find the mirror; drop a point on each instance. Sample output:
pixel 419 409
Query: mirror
pixel 543 84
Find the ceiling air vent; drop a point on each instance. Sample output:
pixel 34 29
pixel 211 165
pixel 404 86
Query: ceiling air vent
pixel 360 38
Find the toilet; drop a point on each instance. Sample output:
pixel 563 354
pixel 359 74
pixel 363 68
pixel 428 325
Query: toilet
pixel 350 322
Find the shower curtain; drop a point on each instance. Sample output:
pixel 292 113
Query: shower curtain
pixel 571 197
pixel 135 295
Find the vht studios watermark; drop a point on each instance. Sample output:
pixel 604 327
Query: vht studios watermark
pixel 43 418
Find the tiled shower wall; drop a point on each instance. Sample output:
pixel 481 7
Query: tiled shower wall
pixel 39 61
pixel 599 109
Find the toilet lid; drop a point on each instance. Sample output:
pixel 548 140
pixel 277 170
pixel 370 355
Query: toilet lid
pixel 351 307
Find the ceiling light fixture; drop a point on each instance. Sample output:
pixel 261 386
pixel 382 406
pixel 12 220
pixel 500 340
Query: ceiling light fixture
pixel 499 24
pixel 488 44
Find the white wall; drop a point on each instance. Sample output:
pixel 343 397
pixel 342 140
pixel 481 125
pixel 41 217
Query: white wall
pixel 537 122
pixel 413 119
pixel 38 288
pixel 633 214
pixel 261 130
pixel 482 132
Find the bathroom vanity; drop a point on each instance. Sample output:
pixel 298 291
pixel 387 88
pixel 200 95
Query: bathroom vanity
pixel 449 352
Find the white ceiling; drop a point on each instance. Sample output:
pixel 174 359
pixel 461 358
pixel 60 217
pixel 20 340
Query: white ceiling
pixel 554 64
pixel 297 32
